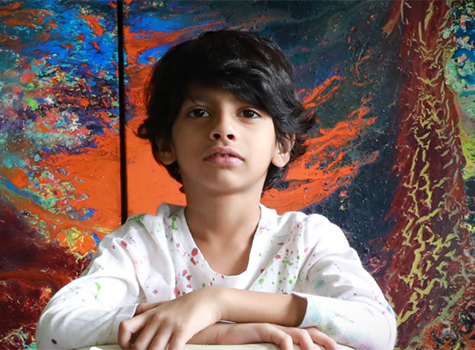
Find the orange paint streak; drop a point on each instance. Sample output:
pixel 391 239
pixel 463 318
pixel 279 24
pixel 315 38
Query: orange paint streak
pixel 316 97
pixel 55 223
pixel 68 46
pixel 81 245
pixel 43 128
pixel 93 22
pixel 16 176
pixel 13 6
pixel 23 17
pixel 138 76
pixel 99 168
pixel 94 176
pixel 34 278
pixel 82 101
pixel 96 46
pixel 394 19
pixel 8 40
pixel 313 184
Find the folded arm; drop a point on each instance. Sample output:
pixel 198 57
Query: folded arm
pixel 194 318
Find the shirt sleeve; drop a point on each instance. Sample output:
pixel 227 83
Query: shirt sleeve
pixel 343 299
pixel 88 310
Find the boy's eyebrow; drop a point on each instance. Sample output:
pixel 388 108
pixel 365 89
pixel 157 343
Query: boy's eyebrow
pixel 197 98
pixel 200 97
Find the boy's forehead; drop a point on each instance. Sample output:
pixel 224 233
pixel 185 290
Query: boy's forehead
pixel 203 93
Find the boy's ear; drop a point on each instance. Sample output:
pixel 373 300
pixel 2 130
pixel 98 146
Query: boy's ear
pixel 166 154
pixel 282 152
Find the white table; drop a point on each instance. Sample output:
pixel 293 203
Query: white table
pixel 262 346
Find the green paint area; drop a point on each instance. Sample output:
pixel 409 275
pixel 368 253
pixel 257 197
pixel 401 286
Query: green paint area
pixel 31 102
pixel 174 227
pixel 139 218
pixel 98 289
pixel 287 262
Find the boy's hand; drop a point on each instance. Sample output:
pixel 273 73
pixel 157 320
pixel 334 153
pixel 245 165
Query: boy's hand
pixel 169 324
pixel 249 333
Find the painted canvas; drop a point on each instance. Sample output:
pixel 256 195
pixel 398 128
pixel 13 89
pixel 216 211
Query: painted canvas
pixel 391 156
pixel 59 151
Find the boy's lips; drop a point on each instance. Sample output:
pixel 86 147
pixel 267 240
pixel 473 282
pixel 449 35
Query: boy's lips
pixel 223 155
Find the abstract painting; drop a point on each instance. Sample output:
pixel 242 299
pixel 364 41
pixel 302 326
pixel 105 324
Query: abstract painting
pixel 391 158
pixel 59 151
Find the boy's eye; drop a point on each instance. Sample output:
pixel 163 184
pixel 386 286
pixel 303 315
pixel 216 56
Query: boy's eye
pixel 199 113
pixel 248 113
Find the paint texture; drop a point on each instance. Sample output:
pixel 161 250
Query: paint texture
pixel 59 170
pixel 391 158
pixel 432 234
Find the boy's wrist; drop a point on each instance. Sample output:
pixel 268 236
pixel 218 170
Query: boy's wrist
pixel 219 297
pixel 214 297
pixel 243 306
pixel 225 299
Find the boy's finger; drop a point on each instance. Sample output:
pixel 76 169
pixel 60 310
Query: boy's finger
pixel 153 337
pixel 302 338
pixel 322 339
pixel 141 308
pixel 281 339
pixel 128 331
pixel 178 341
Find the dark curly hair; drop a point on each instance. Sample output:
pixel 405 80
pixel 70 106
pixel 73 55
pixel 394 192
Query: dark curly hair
pixel 251 68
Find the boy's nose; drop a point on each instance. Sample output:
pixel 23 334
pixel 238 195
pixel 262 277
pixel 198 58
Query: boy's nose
pixel 223 128
pixel 217 136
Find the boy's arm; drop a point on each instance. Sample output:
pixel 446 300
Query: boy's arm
pixel 194 316
pixel 343 299
pixel 251 333
pixel 245 306
pixel 88 310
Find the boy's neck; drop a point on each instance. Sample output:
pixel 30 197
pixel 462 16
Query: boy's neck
pixel 225 217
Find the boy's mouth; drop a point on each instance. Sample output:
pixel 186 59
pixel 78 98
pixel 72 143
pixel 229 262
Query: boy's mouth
pixel 222 154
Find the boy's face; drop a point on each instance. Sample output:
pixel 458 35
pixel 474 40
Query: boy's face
pixel 222 143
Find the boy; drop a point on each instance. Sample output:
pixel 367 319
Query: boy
pixel 225 120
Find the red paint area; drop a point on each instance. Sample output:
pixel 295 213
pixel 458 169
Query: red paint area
pixel 31 271
pixel 430 205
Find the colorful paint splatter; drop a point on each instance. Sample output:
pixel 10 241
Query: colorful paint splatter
pixel 391 157
pixel 59 151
